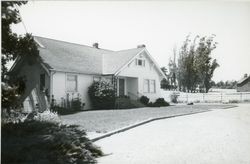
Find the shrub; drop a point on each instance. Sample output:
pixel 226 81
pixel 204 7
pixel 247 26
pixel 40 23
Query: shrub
pixel 144 100
pixel 46 142
pixel 174 97
pixel 158 103
pixel 13 116
pixel 124 102
pixel 102 95
pixel 233 101
pixel 161 102
pixel 76 104
pixel 150 104
pixel 68 106
pixel 47 116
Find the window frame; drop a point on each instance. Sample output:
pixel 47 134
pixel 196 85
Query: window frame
pixel 149 90
pixel 142 62
pixel 76 83
pixel 154 86
pixel 144 80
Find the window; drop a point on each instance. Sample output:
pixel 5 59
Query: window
pixel 152 86
pixel 149 86
pixel 42 82
pixel 140 62
pixel 71 83
pixel 146 86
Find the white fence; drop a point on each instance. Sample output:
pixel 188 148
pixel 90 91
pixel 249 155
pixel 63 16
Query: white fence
pixel 209 97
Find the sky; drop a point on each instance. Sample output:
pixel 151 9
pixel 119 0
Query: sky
pixel 160 25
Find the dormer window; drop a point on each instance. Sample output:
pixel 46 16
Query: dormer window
pixel 140 62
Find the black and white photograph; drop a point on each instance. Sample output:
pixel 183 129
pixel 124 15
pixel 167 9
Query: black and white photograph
pixel 125 82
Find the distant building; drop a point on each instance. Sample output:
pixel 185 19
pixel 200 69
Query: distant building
pixel 244 84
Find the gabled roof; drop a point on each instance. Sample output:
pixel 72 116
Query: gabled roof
pixel 71 57
pixel 243 81
pixel 114 61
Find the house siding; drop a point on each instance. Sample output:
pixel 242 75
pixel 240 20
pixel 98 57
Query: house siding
pixel 60 90
pixel 148 71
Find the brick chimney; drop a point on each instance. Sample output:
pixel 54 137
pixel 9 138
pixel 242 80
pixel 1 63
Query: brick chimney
pixel 245 75
pixel 141 46
pixel 95 45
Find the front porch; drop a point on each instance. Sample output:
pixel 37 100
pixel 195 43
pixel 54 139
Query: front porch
pixel 127 86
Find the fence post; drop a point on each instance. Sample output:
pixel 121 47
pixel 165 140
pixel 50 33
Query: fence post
pixel 187 97
pixel 203 97
pixel 241 97
pixel 221 97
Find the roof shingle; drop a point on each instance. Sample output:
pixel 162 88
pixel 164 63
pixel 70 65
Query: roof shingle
pixel 70 57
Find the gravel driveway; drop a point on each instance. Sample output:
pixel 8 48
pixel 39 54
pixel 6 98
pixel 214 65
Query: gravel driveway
pixel 103 121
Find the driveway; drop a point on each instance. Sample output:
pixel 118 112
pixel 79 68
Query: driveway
pixel 219 136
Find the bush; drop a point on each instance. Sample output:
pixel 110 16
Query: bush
pixel 76 104
pixel 69 106
pixel 124 102
pixel 46 142
pixel 233 101
pixel 102 95
pixel 47 116
pixel 158 103
pixel 174 97
pixel 13 116
pixel 161 102
pixel 144 100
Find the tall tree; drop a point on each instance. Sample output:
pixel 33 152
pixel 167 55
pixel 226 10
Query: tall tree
pixel 205 64
pixel 12 44
pixel 195 64
pixel 12 47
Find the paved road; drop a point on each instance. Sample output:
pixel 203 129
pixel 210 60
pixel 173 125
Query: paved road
pixel 219 136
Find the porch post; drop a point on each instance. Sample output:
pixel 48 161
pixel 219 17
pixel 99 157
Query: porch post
pixel 114 82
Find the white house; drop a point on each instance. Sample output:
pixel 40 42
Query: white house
pixel 67 68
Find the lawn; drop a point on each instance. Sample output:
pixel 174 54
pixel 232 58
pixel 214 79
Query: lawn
pixel 104 121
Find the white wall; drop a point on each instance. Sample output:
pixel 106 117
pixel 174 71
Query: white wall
pixel 83 82
pixel 147 72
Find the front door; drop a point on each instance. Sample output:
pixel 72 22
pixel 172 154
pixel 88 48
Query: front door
pixel 121 87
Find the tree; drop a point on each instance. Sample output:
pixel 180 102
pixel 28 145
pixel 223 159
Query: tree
pixel 12 47
pixel 195 64
pixel 205 64
pixel 173 69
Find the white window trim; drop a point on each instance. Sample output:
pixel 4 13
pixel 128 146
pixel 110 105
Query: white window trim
pixel 66 82
pixel 144 86
pixel 149 88
pixel 143 62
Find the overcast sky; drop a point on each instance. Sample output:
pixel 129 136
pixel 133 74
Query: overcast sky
pixel 160 25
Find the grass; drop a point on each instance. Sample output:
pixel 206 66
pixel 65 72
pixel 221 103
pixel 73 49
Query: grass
pixel 108 120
